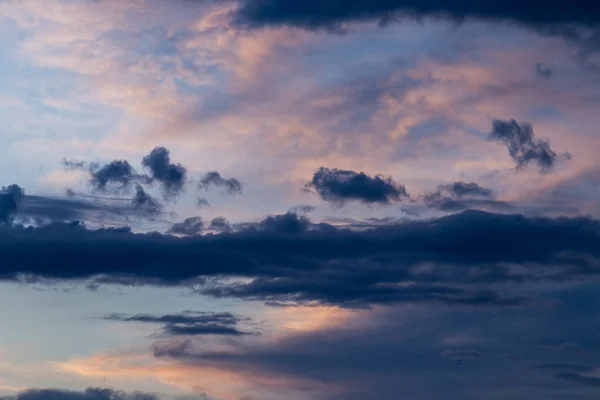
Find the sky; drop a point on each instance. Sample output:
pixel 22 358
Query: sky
pixel 284 200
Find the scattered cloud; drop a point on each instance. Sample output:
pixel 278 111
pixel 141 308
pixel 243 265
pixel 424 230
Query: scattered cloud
pixel 522 145
pixel 189 323
pixel 172 177
pixel 213 178
pixel 339 186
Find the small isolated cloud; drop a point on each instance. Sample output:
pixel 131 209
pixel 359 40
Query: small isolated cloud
pixel 339 186
pixel 522 145
pixel 189 323
pixel 213 178
pixel 172 177
pixel 459 196
pixel 202 202
pixel 189 227
pixel 11 197
pixel 543 72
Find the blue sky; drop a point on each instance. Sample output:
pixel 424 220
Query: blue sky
pixel 370 174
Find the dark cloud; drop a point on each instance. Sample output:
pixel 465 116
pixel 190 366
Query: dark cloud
pixel 231 186
pixel 522 145
pixel 302 209
pixel 575 377
pixel 459 196
pixel 479 353
pixel 220 224
pixel 189 227
pixel 11 197
pixel 172 177
pixel 330 14
pixel 338 186
pixel 543 72
pixel 454 260
pixel 39 210
pixel 189 323
pixel 117 176
pixel 288 223
pixel 87 394
pixel 144 203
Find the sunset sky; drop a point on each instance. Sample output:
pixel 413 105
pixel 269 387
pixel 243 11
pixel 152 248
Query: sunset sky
pixel 299 200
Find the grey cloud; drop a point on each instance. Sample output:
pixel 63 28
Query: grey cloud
pixel 220 224
pixel 10 199
pixel 522 145
pixel 458 196
pixel 458 259
pixel 117 176
pixel 202 202
pixel 543 72
pixel 172 177
pixel 145 203
pixel 330 14
pixel 189 227
pixel 189 323
pixel 469 354
pixel 87 394
pixel 338 186
pixel 213 178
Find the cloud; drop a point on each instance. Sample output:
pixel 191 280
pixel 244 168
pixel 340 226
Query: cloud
pixel 338 186
pixel 87 394
pixel 543 72
pixel 10 198
pixel 231 186
pixel 475 353
pixel 522 145
pixel 458 259
pixel 172 177
pixel 220 224
pixel 189 323
pixel 202 202
pixel 145 203
pixel 288 223
pixel 189 227
pixel 117 176
pixel 312 14
pixel 459 196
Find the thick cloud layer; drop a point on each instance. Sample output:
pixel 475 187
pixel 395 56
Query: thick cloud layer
pixel 213 178
pixel 522 145
pixel 338 186
pixel 539 352
pixel 458 259
pixel 189 323
pixel 87 394
pixel 313 14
